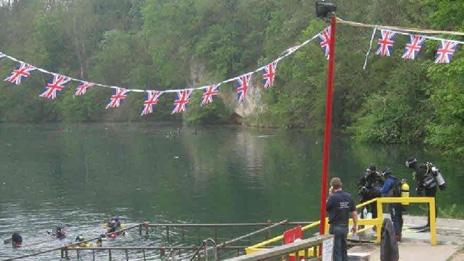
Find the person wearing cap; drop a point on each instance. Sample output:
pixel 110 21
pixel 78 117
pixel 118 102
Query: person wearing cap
pixel 340 206
pixel 391 188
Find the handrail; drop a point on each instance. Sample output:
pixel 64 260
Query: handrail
pixel 225 224
pixel 284 250
pixel 377 222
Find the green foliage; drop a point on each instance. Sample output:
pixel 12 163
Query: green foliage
pixel 159 44
pixel 213 113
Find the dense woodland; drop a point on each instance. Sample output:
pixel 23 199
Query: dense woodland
pixel 168 44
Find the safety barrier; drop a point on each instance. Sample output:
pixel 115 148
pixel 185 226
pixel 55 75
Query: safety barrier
pixel 293 251
pixel 368 223
pixel 73 250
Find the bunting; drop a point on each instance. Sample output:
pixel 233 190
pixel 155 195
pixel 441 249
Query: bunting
pixel 413 47
pixel 150 102
pixel 23 71
pixel 117 97
pixel 386 43
pixel 183 98
pixel 208 94
pixel 269 74
pixel 243 83
pixel 56 85
pixel 82 88
pixel 445 51
pixel 444 54
pixel 324 41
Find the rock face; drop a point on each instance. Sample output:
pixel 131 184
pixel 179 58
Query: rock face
pixel 253 104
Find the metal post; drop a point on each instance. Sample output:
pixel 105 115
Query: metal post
pixel 146 228
pixel 432 217
pixel 328 123
pixel 127 255
pixel 378 230
pixel 109 255
pixel 143 253
pixel 167 233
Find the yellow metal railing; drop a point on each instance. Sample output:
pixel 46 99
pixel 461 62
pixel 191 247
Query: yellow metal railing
pixel 369 223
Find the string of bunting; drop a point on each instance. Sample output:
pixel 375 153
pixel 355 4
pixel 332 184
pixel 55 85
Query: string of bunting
pixel 417 38
pixel 242 82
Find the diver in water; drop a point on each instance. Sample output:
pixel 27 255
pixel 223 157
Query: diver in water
pixel 369 186
pixel 427 179
pixel 16 240
pixel 81 242
pixel 60 233
pixel 114 225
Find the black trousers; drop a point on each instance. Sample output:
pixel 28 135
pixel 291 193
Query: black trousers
pixel 396 213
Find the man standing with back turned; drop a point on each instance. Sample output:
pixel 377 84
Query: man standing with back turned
pixel 339 206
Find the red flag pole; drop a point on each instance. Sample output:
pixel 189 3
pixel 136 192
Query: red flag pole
pixel 328 124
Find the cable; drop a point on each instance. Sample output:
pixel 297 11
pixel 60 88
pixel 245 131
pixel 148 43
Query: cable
pixel 398 28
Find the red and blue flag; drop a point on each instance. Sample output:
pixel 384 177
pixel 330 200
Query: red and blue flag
pixel 324 41
pixel 243 83
pixel 386 43
pixel 269 74
pixel 445 51
pixel 119 95
pixel 183 98
pixel 413 47
pixel 82 88
pixel 150 102
pixel 209 93
pixel 23 71
pixel 56 85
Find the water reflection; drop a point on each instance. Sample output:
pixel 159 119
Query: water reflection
pixel 81 174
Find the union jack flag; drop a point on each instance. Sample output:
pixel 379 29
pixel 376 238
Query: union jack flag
pixel 413 47
pixel 117 97
pixel 82 88
pixel 56 85
pixel 445 51
pixel 386 43
pixel 180 104
pixel 152 100
pixel 23 71
pixel 324 38
pixel 209 93
pixel 269 74
pixel 243 83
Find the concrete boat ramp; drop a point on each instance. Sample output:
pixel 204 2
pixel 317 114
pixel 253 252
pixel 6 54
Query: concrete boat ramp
pixel 416 245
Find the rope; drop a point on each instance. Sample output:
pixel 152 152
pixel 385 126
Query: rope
pixel 370 47
pixel 283 55
pixel 403 29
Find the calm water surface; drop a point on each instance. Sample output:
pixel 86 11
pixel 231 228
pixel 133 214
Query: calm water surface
pixel 80 175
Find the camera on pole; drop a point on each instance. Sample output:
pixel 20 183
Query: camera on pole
pixel 324 8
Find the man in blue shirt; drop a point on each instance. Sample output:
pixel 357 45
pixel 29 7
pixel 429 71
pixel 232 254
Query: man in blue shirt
pixel 340 206
pixel 391 189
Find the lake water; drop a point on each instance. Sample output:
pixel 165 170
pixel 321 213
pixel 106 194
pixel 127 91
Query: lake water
pixel 79 175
